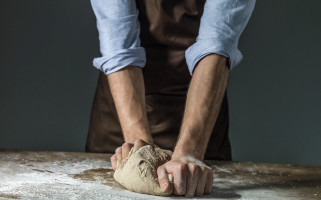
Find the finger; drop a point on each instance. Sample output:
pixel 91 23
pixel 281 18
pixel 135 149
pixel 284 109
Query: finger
pixel 125 148
pixel 209 182
pixel 192 179
pixel 139 143
pixel 201 182
pixel 114 162
pixel 119 154
pixel 179 172
pixel 163 178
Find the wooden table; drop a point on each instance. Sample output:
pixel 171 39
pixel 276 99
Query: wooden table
pixel 62 175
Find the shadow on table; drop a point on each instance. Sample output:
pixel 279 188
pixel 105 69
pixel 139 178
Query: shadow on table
pixel 217 193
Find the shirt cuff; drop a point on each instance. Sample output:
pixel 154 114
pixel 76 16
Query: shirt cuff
pixel 204 47
pixel 121 58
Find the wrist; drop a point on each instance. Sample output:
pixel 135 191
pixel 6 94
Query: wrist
pixel 188 147
pixel 193 139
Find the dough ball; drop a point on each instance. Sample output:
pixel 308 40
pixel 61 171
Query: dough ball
pixel 138 172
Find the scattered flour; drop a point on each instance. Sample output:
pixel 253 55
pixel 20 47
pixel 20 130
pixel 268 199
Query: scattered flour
pixel 58 175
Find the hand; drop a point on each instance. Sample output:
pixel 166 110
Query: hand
pixel 191 176
pixel 122 152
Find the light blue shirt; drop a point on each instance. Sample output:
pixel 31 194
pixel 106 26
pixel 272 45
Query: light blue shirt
pixel 222 23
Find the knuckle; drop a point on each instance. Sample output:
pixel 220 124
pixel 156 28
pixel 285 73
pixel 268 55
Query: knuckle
pixel 126 145
pixel 159 169
pixel 194 168
pixel 208 168
pixel 182 167
pixel 118 150
pixel 139 143
pixel 137 140
pixel 206 171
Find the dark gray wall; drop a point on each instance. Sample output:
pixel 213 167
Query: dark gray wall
pixel 275 94
pixel 47 82
pixel 46 79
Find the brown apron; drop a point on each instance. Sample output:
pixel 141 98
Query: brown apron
pixel 168 28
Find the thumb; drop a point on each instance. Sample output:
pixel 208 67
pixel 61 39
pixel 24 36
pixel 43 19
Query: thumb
pixel 163 178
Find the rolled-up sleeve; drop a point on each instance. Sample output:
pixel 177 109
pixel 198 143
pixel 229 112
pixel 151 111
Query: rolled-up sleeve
pixel 222 23
pixel 118 28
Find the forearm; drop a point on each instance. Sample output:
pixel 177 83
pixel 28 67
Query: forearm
pixel 204 98
pixel 128 91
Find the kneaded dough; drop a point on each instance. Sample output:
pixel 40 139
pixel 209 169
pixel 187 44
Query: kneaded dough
pixel 138 172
